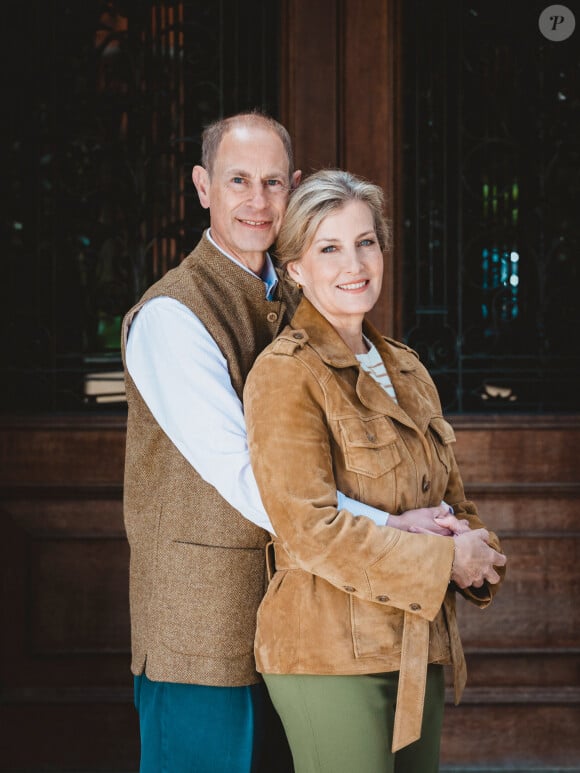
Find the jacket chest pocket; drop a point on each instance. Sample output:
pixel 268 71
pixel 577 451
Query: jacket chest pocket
pixel 369 445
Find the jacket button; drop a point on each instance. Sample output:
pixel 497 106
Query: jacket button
pixel 272 316
pixel 297 336
pixel 349 588
pixel 371 437
pixel 426 485
pixel 382 598
pixel 415 606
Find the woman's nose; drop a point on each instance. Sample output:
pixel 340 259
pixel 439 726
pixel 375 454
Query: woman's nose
pixel 353 260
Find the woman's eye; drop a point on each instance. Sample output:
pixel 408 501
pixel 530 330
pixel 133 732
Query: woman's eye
pixel 367 242
pixel 330 248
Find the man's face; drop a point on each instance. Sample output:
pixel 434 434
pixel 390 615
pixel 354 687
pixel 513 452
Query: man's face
pixel 247 193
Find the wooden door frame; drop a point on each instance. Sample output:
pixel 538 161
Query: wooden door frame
pixel 331 50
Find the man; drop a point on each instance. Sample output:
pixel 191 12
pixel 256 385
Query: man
pixel 195 521
pixel 197 564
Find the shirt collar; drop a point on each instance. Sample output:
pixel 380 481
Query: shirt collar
pixel 269 278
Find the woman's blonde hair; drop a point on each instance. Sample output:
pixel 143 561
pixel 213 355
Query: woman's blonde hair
pixel 320 194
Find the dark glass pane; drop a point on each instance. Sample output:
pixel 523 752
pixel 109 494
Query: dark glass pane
pixel 492 184
pixel 107 102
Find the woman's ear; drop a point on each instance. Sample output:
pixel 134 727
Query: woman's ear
pixel 293 269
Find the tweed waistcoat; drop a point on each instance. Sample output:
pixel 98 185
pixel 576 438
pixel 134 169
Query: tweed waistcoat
pixel 197 566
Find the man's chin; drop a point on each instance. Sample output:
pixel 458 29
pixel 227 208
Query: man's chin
pixel 257 242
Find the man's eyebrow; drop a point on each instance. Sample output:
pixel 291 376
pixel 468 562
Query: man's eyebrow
pixel 236 172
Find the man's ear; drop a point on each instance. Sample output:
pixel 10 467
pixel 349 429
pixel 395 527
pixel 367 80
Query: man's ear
pixel 296 177
pixel 200 179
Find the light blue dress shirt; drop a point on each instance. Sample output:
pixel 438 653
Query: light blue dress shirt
pixel 183 378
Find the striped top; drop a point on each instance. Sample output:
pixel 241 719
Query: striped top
pixel 375 367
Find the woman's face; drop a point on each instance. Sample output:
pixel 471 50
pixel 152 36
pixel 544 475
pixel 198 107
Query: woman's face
pixel 342 269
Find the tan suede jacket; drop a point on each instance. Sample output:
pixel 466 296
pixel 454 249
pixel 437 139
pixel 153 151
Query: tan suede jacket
pixel 348 596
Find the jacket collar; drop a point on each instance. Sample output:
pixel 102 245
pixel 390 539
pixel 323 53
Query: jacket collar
pixel 401 362
pixel 323 338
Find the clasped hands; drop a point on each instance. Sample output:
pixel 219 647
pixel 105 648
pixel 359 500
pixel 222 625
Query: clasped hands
pixel 475 560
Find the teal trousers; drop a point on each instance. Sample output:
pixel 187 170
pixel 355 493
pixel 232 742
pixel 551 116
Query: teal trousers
pixel 344 724
pixel 189 728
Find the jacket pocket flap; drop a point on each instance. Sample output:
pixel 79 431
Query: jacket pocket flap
pixel 372 432
pixel 442 429
pixel 369 445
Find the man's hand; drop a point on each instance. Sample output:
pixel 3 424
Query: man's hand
pixel 429 520
pixel 475 560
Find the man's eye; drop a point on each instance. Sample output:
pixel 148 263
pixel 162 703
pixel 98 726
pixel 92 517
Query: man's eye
pixel 273 183
pixel 238 180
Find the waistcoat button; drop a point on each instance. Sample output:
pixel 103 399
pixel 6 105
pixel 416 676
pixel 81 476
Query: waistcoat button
pixel 382 598
pixel 272 316
pixel 371 437
pixel 349 588
pixel 415 606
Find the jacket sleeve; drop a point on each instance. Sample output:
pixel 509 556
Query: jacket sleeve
pixel 465 509
pixel 290 450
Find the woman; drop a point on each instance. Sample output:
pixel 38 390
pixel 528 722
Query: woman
pixel 358 617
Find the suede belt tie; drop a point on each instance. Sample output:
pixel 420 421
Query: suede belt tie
pixel 412 681
pixel 457 654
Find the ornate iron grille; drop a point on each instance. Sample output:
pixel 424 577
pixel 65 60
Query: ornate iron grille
pixel 492 183
pixel 107 103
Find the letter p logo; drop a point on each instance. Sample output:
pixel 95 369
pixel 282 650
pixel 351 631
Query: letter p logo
pixel 556 23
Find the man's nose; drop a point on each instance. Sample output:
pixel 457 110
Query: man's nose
pixel 258 194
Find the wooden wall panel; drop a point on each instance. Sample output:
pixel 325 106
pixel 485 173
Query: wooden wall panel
pixel 523 735
pixel 78 596
pixel 64 653
pixel 522 704
pixel 65 647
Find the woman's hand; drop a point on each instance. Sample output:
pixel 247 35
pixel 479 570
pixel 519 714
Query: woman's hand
pixel 429 520
pixel 475 560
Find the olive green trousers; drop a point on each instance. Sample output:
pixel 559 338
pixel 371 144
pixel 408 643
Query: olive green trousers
pixel 344 724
